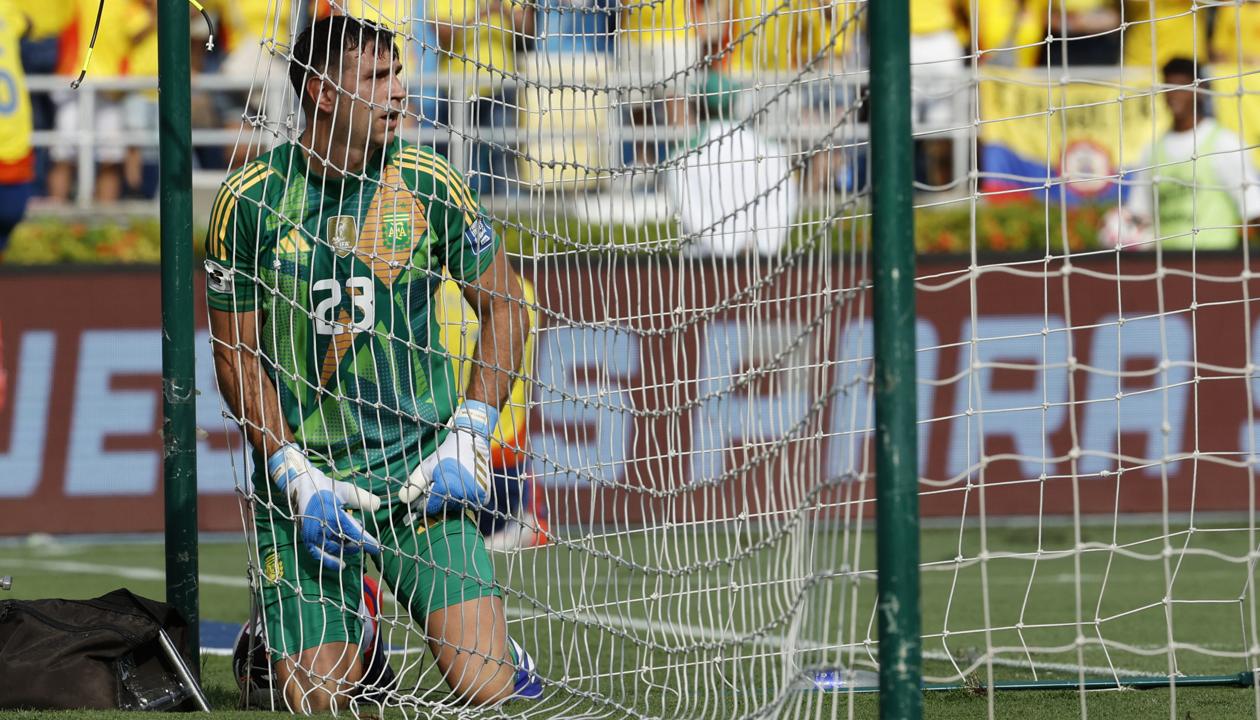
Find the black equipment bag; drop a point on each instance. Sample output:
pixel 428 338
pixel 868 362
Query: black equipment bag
pixel 100 653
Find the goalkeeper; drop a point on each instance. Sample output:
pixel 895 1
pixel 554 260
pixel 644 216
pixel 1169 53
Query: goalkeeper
pixel 323 257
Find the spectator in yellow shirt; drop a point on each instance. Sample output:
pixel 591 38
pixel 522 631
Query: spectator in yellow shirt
pixel 478 40
pixel 1160 30
pixel 1084 32
pixel 658 49
pixel 41 55
pixel 656 44
pixel 47 18
pixel 140 110
pixel 1010 32
pixel 17 162
pixel 106 121
pixel 937 76
pixel 792 38
pixel 1236 37
pixel 936 57
pixel 256 36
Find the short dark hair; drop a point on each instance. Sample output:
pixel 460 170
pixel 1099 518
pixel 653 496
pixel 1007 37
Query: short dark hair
pixel 330 38
pixel 1181 66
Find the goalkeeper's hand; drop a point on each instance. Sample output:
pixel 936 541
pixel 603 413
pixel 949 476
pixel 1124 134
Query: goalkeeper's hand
pixel 458 473
pixel 318 503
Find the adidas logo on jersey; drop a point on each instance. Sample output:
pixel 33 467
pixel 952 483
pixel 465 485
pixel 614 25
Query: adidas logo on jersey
pixel 294 243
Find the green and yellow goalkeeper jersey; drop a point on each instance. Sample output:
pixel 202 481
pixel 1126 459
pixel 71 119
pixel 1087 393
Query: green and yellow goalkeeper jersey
pixel 342 273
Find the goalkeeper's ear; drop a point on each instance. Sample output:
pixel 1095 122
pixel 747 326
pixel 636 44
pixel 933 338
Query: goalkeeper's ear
pixel 321 94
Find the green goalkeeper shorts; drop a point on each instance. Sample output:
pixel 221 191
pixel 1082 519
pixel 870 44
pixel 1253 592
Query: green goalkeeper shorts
pixel 428 562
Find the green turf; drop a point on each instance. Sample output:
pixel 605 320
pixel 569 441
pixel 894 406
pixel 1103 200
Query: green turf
pixel 1122 587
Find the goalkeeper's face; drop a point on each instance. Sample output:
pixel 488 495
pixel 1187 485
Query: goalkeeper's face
pixel 371 80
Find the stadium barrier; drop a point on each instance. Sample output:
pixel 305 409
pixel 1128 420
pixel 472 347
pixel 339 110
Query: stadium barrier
pixel 564 126
pixel 80 449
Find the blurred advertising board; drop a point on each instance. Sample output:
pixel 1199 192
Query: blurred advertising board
pixel 1055 395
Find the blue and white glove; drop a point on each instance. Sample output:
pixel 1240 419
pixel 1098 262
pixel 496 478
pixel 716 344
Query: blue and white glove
pixel 457 475
pixel 318 503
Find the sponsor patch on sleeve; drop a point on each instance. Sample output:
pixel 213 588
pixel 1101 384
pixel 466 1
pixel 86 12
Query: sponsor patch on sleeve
pixel 479 236
pixel 219 279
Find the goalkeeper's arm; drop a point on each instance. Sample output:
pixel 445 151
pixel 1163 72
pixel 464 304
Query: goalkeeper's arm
pixel 458 473
pixel 316 501
pixel 499 301
pixel 246 388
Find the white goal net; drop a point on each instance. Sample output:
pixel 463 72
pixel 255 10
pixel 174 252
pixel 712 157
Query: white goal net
pixel 680 516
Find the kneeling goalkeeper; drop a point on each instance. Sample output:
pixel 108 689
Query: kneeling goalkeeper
pixel 323 257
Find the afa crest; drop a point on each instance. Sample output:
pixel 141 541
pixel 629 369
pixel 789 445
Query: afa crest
pixel 396 229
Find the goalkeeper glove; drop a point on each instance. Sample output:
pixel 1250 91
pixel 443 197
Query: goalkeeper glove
pixel 318 503
pixel 458 473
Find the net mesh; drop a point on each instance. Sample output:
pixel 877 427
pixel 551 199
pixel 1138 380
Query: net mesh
pixel 1086 406
pixel 681 521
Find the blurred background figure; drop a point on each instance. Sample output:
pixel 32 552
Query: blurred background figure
pixel 1082 32
pixel 1160 30
pixel 140 107
pixel 479 41
pixel 657 50
pixel 576 26
pixel 17 159
pixel 833 103
pixel 732 188
pixel 106 118
pixel 41 55
pixel 732 183
pixel 208 107
pixel 255 40
pixel 1008 33
pixel 749 41
pixel 937 74
pixel 427 100
pixel 566 128
pixel 1236 37
pixel 1196 186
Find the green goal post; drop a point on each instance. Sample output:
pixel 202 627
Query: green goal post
pixel 179 424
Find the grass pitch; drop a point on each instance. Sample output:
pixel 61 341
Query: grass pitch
pixel 1112 609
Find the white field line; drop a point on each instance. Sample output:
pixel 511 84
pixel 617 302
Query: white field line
pixel 123 571
pixel 776 642
pixel 678 630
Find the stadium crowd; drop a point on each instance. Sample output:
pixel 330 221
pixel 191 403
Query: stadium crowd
pixel 464 59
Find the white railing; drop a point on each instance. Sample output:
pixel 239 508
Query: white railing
pixel 781 125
